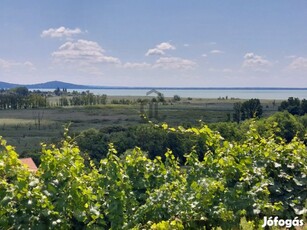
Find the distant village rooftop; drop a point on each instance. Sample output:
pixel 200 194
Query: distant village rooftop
pixel 29 163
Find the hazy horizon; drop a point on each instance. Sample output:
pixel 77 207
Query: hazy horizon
pixel 155 43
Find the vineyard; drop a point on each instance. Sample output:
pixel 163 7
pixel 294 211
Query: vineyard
pixel 233 185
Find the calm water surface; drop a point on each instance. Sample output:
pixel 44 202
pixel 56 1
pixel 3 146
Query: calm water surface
pixel 278 94
pixel 209 93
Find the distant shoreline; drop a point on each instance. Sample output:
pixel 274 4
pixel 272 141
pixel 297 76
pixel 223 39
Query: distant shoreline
pixel 203 88
pixel 59 84
pixel 178 88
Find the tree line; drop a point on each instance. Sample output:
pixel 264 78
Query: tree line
pixel 22 98
pixel 154 141
pixel 294 106
pixel 246 110
pixel 84 98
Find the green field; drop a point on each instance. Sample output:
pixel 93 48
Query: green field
pixel 21 128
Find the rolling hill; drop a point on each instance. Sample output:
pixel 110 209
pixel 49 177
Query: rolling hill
pixel 46 85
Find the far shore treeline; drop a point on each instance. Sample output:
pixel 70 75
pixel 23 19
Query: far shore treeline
pixel 22 98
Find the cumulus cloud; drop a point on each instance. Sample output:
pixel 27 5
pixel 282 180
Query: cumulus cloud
pixel 255 62
pixel 174 63
pixel 216 52
pixel 299 63
pixel 168 62
pixel 83 52
pixel 160 48
pixel 9 65
pixel 29 65
pixel 60 32
pixel 154 51
pixel 165 46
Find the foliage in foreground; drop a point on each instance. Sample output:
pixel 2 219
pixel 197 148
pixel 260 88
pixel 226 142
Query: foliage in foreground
pixel 263 176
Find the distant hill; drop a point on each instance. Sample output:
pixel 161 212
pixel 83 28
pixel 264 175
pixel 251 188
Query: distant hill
pixel 47 85
pixel 5 85
pixel 60 84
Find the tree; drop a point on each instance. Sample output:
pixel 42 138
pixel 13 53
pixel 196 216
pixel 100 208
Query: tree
pixel 292 105
pixel 251 109
pixel 160 97
pixel 303 107
pixel 57 91
pixel 21 91
pixel 176 98
pixel 237 112
pixel 36 100
pixel 63 101
pixel 288 126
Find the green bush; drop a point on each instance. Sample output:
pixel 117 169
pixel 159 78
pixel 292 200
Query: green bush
pixel 233 181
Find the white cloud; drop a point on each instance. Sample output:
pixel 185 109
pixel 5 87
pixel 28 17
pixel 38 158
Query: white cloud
pixel 160 48
pixel 165 46
pixel 154 51
pixel 174 63
pixel 82 56
pixel 169 62
pixel 255 62
pixel 60 32
pixel 299 63
pixel 83 52
pixel 9 65
pixel 29 65
pixel 216 52
pixel 204 55
pixel 136 65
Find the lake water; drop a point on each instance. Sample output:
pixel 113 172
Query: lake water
pixel 210 93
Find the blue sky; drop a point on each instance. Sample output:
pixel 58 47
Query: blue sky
pixel 197 43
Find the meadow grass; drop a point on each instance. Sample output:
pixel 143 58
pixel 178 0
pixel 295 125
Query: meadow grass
pixel 20 127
